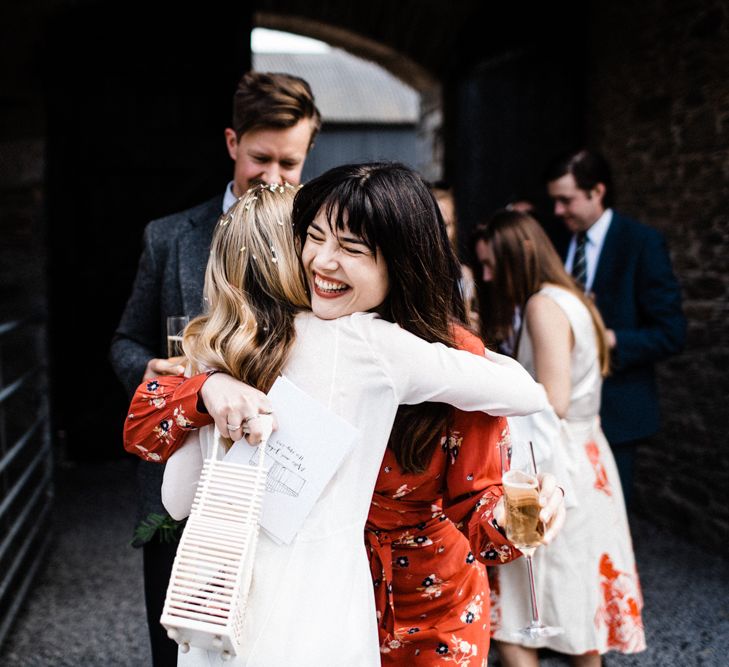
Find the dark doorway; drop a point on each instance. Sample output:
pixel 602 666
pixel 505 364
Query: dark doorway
pixel 515 113
pixel 137 101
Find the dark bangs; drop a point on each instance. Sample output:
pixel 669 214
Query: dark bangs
pixel 391 209
pixel 342 194
pixel 349 206
pixel 388 206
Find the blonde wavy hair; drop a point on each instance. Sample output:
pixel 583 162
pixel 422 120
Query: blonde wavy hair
pixel 254 286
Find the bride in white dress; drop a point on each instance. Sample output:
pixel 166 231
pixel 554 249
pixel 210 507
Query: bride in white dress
pixel 373 249
pixel 586 579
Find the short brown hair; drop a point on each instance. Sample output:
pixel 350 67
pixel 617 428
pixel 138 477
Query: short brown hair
pixel 273 100
pixel 588 168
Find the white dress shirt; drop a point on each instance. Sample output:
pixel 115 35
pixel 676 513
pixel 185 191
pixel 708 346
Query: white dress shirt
pixel 229 198
pixel 595 237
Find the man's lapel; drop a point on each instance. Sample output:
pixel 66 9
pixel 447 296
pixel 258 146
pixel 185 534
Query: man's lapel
pixel 194 250
pixel 608 255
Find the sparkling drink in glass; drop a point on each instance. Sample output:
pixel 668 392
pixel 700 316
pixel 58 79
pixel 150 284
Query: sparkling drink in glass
pixel 175 326
pixel 524 528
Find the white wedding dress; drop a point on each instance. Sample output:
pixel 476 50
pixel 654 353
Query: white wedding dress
pixel 311 602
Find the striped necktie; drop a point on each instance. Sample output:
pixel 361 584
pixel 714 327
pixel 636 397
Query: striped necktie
pixel 579 264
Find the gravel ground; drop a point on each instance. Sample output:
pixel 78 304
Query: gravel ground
pixel 87 606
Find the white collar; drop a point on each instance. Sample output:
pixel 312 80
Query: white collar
pixel 597 231
pixel 229 198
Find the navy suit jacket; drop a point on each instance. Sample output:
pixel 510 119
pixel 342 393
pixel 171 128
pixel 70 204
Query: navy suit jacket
pixel 169 281
pixel 639 298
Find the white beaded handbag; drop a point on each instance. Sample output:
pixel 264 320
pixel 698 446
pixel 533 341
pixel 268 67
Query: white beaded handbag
pixel 208 591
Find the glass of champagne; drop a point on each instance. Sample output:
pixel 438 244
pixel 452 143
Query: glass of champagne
pixel 175 326
pixel 524 528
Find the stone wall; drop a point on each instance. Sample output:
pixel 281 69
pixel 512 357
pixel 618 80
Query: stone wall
pixel 23 238
pixel 23 251
pixel 658 107
pixel 106 121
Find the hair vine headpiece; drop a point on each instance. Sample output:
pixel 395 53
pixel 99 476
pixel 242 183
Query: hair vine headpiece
pixel 246 201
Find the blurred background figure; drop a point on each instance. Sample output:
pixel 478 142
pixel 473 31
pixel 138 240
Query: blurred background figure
pixel 523 206
pixel 625 267
pixel 537 205
pixel 443 194
pixel 587 582
pixel 503 328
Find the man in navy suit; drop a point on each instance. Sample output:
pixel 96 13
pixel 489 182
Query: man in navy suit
pixel 626 267
pixel 275 121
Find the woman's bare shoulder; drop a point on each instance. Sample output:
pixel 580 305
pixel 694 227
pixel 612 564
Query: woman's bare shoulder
pixel 542 312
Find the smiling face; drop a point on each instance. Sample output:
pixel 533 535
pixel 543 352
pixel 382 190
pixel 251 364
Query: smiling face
pixel 269 155
pixel 344 275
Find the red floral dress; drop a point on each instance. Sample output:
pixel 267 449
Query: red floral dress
pixel 427 534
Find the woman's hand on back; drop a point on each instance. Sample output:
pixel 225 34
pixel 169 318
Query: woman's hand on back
pixel 553 513
pixel 235 407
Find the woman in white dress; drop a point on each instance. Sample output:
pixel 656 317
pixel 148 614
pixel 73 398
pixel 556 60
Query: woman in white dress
pixel 373 248
pixel 586 579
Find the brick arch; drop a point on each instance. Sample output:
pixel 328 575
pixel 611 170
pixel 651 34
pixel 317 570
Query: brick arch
pixel 397 63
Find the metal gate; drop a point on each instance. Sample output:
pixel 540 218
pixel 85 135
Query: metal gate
pixel 26 464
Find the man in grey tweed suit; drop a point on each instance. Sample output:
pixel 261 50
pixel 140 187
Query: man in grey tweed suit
pixel 275 121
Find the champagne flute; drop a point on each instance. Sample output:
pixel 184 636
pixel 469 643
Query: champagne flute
pixel 175 326
pixel 524 528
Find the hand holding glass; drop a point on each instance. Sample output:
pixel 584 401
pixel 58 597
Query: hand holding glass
pixel 524 528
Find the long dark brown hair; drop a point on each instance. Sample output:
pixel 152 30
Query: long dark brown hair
pixel 390 207
pixel 525 260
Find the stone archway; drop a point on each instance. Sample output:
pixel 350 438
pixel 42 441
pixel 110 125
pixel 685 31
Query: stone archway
pixel 400 65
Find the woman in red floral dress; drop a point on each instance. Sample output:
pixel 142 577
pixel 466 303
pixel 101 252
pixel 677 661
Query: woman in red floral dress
pixel 428 535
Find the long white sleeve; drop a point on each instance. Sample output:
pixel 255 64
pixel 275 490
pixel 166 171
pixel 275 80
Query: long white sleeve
pixel 422 371
pixel 182 473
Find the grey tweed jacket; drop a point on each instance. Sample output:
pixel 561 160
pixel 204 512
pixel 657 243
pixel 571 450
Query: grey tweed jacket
pixel 169 281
